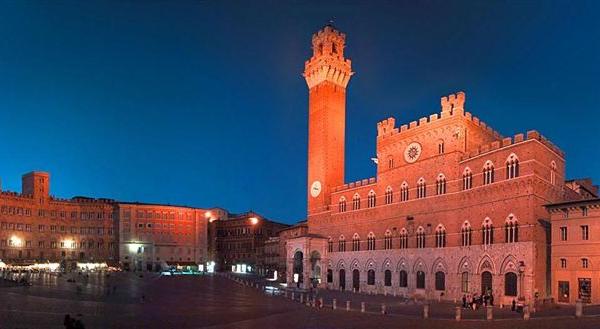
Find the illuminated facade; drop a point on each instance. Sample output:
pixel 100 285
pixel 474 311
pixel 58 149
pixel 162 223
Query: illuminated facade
pixel 575 255
pixel 455 207
pixel 155 236
pixel 38 227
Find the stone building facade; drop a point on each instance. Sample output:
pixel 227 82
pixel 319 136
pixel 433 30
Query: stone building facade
pixel 455 208
pixel 156 236
pixel 575 254
pixel 38 227
pixel 240 240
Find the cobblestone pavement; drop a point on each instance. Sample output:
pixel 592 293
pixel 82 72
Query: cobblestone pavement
pixel 207 302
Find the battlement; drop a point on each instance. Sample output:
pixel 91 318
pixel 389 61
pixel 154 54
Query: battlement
pixel 328 31
pixel 508 141
pixel 451 106
pixel 360 183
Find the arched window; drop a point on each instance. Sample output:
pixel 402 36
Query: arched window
pixel 329 275
pixel 330 245
pixel 420 280
pixel 440 147
pixel 404 192
pixel 466 233
pixel 387 278
pixel 387 240
pixel 371 277
pixel 342 243
pixel 488 173
pixel 467 179
pixel 342 204
pixel 403 238
pixel 464 282
pixel 420 237
pixel 512 166
pixel 510 284
pixel 421 188
pixel 553 173
pixel 511 229
pixel 403 282
pixel 440 184
pixel 585 263
pixel 440 236
pixel 487 232
pixel 440 280
pixel 371 199
pixel 389 195
pixel 356 202
pixel 371 241
pixel 355 242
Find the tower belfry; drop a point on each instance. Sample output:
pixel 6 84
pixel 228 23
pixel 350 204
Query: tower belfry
pixel 327 74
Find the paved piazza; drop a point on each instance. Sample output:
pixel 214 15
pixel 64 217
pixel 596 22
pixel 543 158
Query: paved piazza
pixel 218 302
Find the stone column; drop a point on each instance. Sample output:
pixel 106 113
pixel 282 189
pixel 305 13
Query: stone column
pixel 578 308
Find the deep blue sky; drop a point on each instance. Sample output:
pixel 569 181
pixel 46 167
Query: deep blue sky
pixel 203 103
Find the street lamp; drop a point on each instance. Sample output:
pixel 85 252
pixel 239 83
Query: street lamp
pixel 16 241
pixel 253 220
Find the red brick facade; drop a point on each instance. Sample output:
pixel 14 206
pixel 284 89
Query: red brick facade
pixel 455 207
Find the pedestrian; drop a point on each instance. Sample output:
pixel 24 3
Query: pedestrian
pixel 68 322
pixel 464 301
pixel 514 306
pixel 491 299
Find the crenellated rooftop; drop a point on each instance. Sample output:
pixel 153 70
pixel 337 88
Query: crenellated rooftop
pixel 508 141
pixel 451 105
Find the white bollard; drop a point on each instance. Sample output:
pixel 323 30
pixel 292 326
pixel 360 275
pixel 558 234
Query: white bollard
pixel 425 311
pixel 383 309
pixel 334 304
pixel 578 308
pixel 526 314
pixel 347 305
pixel 458 314
pixel 362 307
pixel 488 313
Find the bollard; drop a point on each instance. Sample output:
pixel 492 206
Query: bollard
pixel 458 314
pixel 301 298
pixel 347 305
pixel 285 294
pixel 334 304
pixel 383 309
pixel 578 308
pixel 488 313
pixel 362 307
pixel 425 311
pixel 293 295
pixel 526 315
pixel 320 302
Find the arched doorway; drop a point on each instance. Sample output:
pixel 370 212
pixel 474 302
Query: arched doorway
pixel 342 279
pixel 486 282
pixel 315 268
pixel 356 280
pixel 298 267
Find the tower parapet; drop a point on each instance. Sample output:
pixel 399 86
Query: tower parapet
pixel 327 62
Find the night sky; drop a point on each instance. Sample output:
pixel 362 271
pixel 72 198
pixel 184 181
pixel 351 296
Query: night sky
pixel 202 103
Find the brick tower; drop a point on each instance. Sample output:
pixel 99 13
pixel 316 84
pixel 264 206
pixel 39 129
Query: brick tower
pixel 327 74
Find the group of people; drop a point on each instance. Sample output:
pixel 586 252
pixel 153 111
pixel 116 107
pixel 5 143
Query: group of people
pixel 476 301
pixel 72 323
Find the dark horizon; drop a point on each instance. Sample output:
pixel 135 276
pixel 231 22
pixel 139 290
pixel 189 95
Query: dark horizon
pixel 203 104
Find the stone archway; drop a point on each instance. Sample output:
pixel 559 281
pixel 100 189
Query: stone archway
pixel 356 280
pixel 315 267
pixel 486 282
pixel 342 279
pixel 298 267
